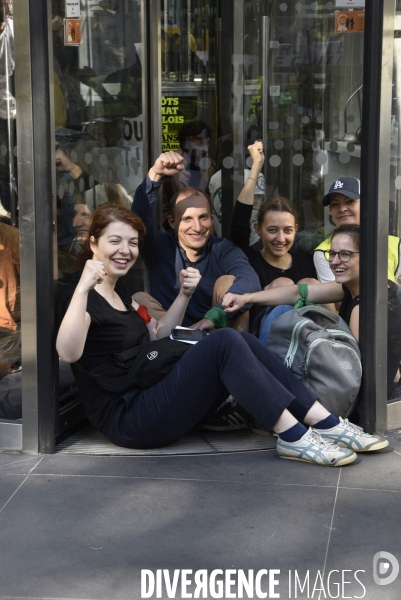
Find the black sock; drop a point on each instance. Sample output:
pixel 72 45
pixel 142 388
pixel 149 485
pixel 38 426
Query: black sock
pixel 294 433
pixel 327 423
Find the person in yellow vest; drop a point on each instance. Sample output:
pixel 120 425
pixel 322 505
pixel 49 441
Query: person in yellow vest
pixel 343 200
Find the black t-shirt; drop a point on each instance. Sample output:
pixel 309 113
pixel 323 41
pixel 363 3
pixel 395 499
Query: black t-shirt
pixel 301 266
pixel 394 308
pixel 110 331
pixel 348 303
pixel 393 326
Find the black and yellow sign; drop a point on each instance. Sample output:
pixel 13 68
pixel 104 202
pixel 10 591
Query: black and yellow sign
pixel 176 110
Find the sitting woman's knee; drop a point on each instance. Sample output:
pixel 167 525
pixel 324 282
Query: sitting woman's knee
pixel 279 282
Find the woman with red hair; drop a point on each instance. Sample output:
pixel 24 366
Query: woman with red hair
pixel 102 321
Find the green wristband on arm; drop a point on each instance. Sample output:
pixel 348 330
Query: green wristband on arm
pixel 217 316
pixel 303 292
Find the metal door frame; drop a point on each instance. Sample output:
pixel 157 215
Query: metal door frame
pixel 375 178
pixel 35 110
pixel 37 207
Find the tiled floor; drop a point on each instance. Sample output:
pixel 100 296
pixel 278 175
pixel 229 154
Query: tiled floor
pixel 83 527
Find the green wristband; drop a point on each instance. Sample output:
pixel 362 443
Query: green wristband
pixel 303 292
pixel 217 316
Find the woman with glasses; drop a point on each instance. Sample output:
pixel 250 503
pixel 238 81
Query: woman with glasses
pixel 343 259
pixel 102 323
pixel 344 203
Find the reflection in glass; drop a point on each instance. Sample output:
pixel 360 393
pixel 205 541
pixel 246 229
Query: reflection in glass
pixel 10 309
pixel 395 203
pixel 98 134
pixel 98 118
pixel 189 50
pixel 296 91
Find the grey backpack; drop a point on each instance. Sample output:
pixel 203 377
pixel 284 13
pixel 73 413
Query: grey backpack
pixel 319 348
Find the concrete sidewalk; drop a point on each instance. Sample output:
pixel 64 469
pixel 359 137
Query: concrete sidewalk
pixel 83 527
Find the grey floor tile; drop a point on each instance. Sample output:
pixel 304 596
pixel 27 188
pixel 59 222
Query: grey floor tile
pixel 365 523
pixel 394 438
pixel 8 485
pixel 90 538
pixel 255 467
pixel 378 470
pixel 24 462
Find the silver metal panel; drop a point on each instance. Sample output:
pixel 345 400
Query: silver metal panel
pixel 152 41
pixel 145 108
pixel 383 213
pixel 54 202
pixel 10 435
pixel 27 223
pixel 238 92
pixel 34 91
pixel 217 25
pixel 265 75
pixel 394 416
pixel 90 441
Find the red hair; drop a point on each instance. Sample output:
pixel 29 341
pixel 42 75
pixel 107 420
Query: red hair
pixel 102 217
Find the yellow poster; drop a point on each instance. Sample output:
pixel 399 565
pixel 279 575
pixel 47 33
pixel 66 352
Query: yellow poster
pixel 176 111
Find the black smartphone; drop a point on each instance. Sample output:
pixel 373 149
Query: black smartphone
pixel 188 335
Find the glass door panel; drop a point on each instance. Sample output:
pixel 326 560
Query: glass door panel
pixel 97 69
pixel 189 47
pixel 394 314
pixel 302 95
pixel 10 308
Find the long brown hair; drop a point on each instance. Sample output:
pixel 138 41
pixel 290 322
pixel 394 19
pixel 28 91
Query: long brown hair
pixel 102 217
pixel 279 204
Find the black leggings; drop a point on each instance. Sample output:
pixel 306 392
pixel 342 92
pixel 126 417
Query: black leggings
pixel 225 362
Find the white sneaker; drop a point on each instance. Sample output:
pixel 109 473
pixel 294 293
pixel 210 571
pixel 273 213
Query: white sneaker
pixel 348 435
pixel 313 449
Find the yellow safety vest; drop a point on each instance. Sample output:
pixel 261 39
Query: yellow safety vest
pixel 393 254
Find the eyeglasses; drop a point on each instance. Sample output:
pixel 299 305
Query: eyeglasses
pixel 343 255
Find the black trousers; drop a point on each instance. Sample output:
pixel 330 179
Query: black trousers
pixel 225 362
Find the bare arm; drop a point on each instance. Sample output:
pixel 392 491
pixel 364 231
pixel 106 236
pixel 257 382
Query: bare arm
pixel 247 195
pixel 189 279
pixel 74 328
pixel 324 273
pixel 319 294
pixel 354 322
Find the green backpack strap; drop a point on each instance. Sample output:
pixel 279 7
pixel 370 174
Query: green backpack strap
pixel 303 292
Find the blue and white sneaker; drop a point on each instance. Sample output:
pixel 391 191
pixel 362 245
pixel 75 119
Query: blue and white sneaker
pixel 348 435
pixel 311 448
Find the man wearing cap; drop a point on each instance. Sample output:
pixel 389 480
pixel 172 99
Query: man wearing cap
pixel 223 266
pixel 343 200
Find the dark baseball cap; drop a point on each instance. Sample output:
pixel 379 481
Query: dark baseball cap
pixel 348 186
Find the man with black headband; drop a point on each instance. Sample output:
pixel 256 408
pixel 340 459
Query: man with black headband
pixel 223 266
